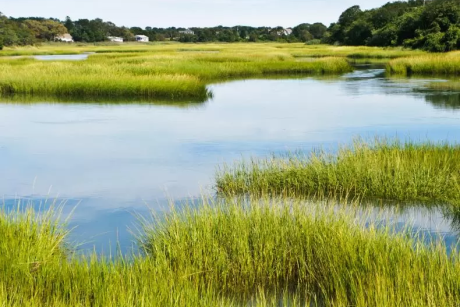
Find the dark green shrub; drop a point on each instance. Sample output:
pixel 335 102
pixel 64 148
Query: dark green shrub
pixel 359 33
pixel 384 37
pixel 434 43
pixel 451 38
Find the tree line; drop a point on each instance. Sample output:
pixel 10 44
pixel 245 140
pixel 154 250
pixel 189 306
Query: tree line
pixel 33 30
pixel 418 24
pixel 433 25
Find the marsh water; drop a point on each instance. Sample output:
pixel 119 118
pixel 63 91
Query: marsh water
pixel 113 160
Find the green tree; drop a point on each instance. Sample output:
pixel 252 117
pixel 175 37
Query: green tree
pixel 451 38
pixel 317 30
pixel 349 16
pixel 359 33
pixel 384 37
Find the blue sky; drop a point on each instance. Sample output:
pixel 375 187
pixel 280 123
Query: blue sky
pixel 188 13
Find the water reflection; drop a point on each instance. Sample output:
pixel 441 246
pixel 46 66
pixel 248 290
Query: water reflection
pixel 98 100
pixel 446 100
pixel 109 231
pixel 113 158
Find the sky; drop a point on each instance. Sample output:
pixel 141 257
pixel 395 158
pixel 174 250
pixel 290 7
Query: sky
pixel 189 13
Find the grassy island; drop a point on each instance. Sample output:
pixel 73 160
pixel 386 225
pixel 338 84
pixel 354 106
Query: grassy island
pixel 230 253
pixel 388 170
pixel 444 64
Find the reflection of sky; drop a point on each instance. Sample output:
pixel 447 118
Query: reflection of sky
pixel 122 155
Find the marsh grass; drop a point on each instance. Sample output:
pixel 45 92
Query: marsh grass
pixel 447 64
pixel 168 71
pixel 161 72
pixel 324 254
pixel 230 252
pixel 382 169
pixel 355 53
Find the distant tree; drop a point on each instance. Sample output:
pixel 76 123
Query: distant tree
pixel 317 30
pixel 45 30
pixel 68 24
pixel 384 37
pixel 253 37
pixel 445 13
pixel 243 34
pixel 358 33
pixel 408 24
pixel 451 39
pixel 349 16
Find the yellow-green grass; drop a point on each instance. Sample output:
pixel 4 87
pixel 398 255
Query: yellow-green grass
pixel 447 64
pixel 361 52
pixel 382 169
pixel 229 253
pixel 296 49
pixel 158 72
pixel 167 70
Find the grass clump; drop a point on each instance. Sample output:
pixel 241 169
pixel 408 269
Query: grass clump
pixel 321 253
pixel 59 79
pixel 231 253
pixel 431 64
pixel 37 268
pixel 383 169
pixel 29 242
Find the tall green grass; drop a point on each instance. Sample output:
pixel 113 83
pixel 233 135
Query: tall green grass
pixel 321 253
pixel 432 64
pixel 355 53
pixel 230 253
pixel 381 169
pixel 37 268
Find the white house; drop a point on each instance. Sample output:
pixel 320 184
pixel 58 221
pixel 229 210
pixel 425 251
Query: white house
pixel 64 38
pixel 142 38
pixel 187 32
pixel 286 32
pixel 115 39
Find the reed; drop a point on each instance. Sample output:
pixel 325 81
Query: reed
pixel 311 249
pixel 447 64
pixel 382 169
pixel 230 253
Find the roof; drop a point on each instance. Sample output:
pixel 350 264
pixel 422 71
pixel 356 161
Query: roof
pixel 143 36
pixel 67 35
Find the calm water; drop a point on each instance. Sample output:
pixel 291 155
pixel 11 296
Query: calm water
pixel 59 57
pixel 65 57
pixel 113 160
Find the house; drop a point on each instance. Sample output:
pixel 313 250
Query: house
pixel 142 38
pixel 115 39
pixel 286 32
pixel 64 38
pixel 187 32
